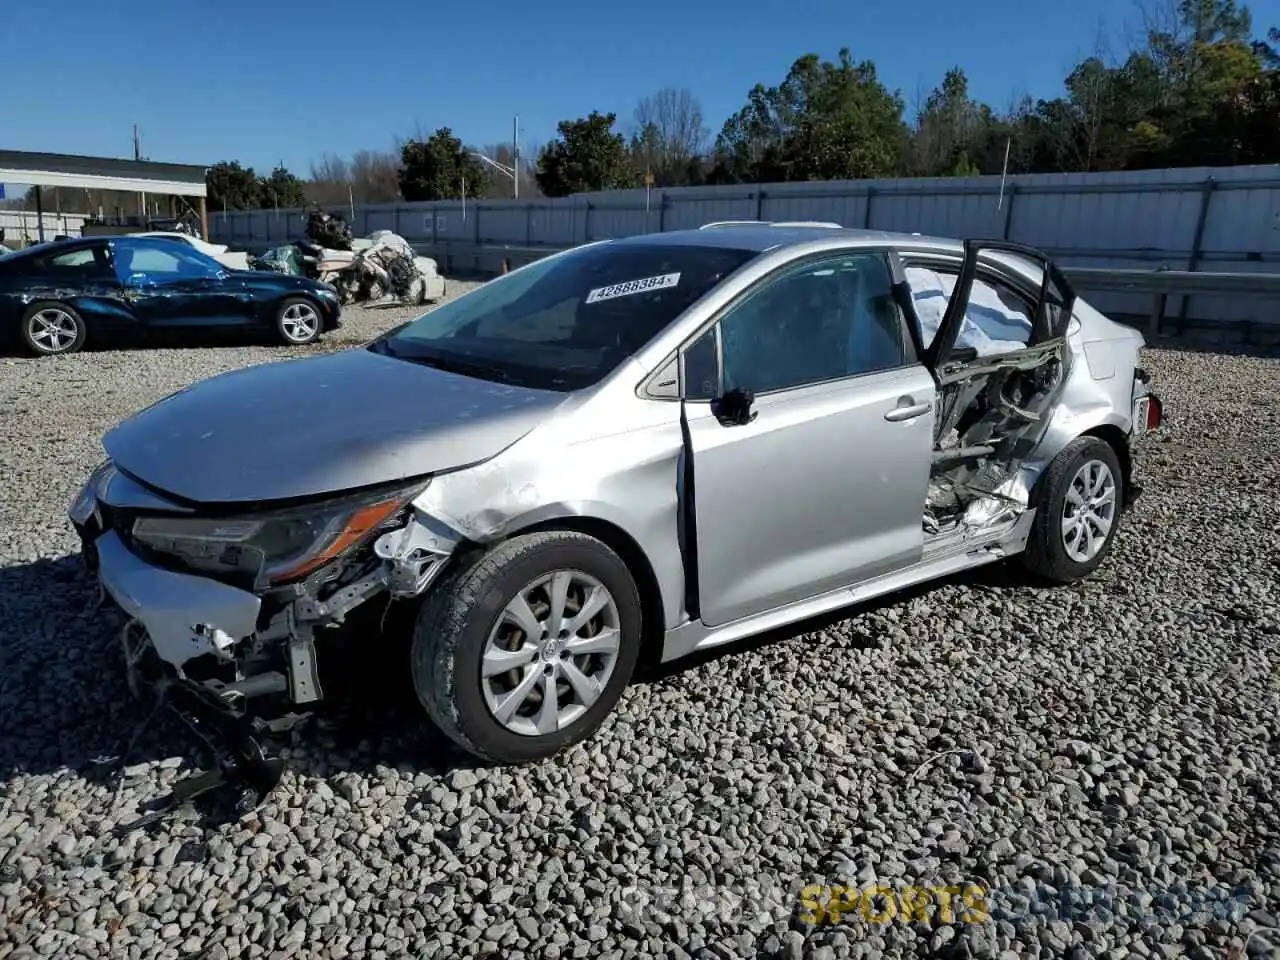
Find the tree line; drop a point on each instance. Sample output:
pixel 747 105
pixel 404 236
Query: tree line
pixel 1199 87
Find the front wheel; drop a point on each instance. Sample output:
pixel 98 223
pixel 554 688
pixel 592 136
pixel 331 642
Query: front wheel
pixel 526 648
pixel 297 321
pixel 1078 504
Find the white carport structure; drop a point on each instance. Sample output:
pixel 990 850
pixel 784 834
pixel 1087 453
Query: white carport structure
pixel 104 173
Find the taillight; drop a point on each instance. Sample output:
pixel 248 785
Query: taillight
pixel 1155 412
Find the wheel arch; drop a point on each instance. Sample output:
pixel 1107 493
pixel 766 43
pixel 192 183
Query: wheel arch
pixel 637 562
pixel 1118 441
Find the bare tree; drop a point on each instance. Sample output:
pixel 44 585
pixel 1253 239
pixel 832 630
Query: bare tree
pixel 669 133
pixel 330 180
pixel 375 177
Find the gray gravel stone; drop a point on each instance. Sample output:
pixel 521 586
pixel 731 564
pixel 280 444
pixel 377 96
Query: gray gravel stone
pixel 1099 758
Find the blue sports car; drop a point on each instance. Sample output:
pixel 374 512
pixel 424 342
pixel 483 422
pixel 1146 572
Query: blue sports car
pixel 56 296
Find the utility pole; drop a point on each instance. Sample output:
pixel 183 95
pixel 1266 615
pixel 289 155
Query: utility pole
pixel 515 157
pixel 142 197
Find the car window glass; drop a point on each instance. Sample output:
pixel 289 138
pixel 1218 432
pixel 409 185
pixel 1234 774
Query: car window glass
pixel 997 319
pixel 71 265
pixel 823 321
pixel 73 258
pixel 168 262
pixel 566 322
pixel 702 368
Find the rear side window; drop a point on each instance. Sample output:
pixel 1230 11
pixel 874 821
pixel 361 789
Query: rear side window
pixel 997 319
pixel 566 322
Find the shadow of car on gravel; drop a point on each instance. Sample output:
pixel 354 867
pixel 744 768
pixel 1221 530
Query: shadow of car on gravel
pixel 63 688
pixel 64 691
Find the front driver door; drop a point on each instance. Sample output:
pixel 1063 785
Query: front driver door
pixel 821 483
pixel 168 284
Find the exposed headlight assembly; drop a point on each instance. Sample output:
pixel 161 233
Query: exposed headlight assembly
pixel 275 547
pixel 86 501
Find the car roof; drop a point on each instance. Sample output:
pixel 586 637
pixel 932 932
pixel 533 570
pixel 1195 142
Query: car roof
pixel 51 246
pixel 759 237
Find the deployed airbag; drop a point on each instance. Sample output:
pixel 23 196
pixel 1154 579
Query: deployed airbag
pixel 992 325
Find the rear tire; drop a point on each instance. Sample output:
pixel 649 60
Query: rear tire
pixel 298 321
pixel 50 328
pixel 471 625
pixel 1078 501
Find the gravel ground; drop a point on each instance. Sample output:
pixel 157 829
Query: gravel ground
pixel 1093 769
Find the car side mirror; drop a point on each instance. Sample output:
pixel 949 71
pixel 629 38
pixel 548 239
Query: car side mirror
pixel 733 408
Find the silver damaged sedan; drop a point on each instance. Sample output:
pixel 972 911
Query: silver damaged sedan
pixel 631 450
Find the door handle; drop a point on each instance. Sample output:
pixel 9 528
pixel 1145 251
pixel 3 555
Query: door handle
pixel 907 409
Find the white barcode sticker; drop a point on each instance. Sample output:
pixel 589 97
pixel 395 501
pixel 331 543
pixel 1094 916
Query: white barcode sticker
pixel 633 286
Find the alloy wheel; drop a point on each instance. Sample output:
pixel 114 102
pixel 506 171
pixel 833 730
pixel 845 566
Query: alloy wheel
pixel 1089 511
pixel 551 653
pixel 299 322
pixel 53 330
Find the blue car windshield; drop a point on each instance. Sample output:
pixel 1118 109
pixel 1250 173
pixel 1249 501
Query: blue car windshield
pixel 566 322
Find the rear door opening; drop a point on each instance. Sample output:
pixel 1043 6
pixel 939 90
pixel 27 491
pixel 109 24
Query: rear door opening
pixel 996 343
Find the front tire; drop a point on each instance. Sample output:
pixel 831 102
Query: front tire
pixel 1078 502
pixel 297 321
pixel 50 328
pixel 526 648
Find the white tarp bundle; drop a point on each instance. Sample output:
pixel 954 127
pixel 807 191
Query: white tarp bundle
pixel 993 324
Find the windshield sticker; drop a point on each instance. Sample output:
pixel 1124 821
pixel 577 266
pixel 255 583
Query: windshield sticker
pixel 633 286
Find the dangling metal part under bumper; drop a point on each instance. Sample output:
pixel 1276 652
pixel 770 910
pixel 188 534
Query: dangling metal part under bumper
pixel 207 648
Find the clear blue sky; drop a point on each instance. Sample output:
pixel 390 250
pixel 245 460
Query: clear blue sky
pixel 255 81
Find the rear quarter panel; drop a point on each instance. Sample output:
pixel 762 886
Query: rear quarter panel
pixel 1099 389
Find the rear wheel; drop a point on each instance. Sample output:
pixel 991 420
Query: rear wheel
pixel 297 321
pixel 1078 503
pixel 525 649
pixel 52 328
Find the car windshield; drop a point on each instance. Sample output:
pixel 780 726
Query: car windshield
pixel 566 322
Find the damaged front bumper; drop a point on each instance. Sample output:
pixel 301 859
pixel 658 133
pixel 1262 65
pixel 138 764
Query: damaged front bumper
pixel 210 647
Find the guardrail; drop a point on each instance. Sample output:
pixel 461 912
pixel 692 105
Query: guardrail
pixel 1163 284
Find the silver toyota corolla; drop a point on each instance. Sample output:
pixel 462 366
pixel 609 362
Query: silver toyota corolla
pixel 646 446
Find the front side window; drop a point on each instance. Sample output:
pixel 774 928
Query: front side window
pixel 162 262
pixel 566 322
pixel 823 320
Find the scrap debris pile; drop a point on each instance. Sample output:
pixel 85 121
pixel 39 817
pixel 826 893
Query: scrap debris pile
pixel 379 267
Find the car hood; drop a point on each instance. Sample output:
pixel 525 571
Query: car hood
pixel 302 428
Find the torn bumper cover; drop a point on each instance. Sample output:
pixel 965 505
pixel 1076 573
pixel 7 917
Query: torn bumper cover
pixel 209 644
pixel 184 616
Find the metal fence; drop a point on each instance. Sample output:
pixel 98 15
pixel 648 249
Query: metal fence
pixel 22 227
pixel 1225 218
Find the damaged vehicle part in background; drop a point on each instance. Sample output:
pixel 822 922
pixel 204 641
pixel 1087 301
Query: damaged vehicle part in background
pixel 566 493
pixel 56 296
pixel 381 267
